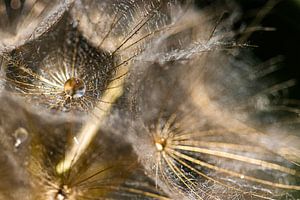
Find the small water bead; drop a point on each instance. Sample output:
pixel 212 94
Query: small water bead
pixel 74 87
pixel 21 136
pixel 60 196
pixel 160 144
pixel 15 4
pixel 62 193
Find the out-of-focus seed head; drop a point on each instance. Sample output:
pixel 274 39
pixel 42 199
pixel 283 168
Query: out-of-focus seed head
pixel 30 169
pixel 22 21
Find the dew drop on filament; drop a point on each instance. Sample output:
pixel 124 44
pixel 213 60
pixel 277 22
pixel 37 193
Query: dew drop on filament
pixel 61 194
pixel 74 87
pixel 15 4
pixel 20 135
pixel 160 144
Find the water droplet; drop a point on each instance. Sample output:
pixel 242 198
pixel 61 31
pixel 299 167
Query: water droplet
pixel 160 144
pixel 15 4
pixel 74 87
pixel 20 135
pixel 62 193
pixel 60 197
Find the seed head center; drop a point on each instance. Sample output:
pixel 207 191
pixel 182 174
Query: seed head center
pixel 160 144
pixel 74 87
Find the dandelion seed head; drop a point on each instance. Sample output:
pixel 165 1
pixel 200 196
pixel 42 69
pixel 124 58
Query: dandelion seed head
pixel 212 149
pixel 70 77
pixel 100 172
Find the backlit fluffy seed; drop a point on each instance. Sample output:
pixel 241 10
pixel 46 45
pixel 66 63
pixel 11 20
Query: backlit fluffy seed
pixel 196 148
